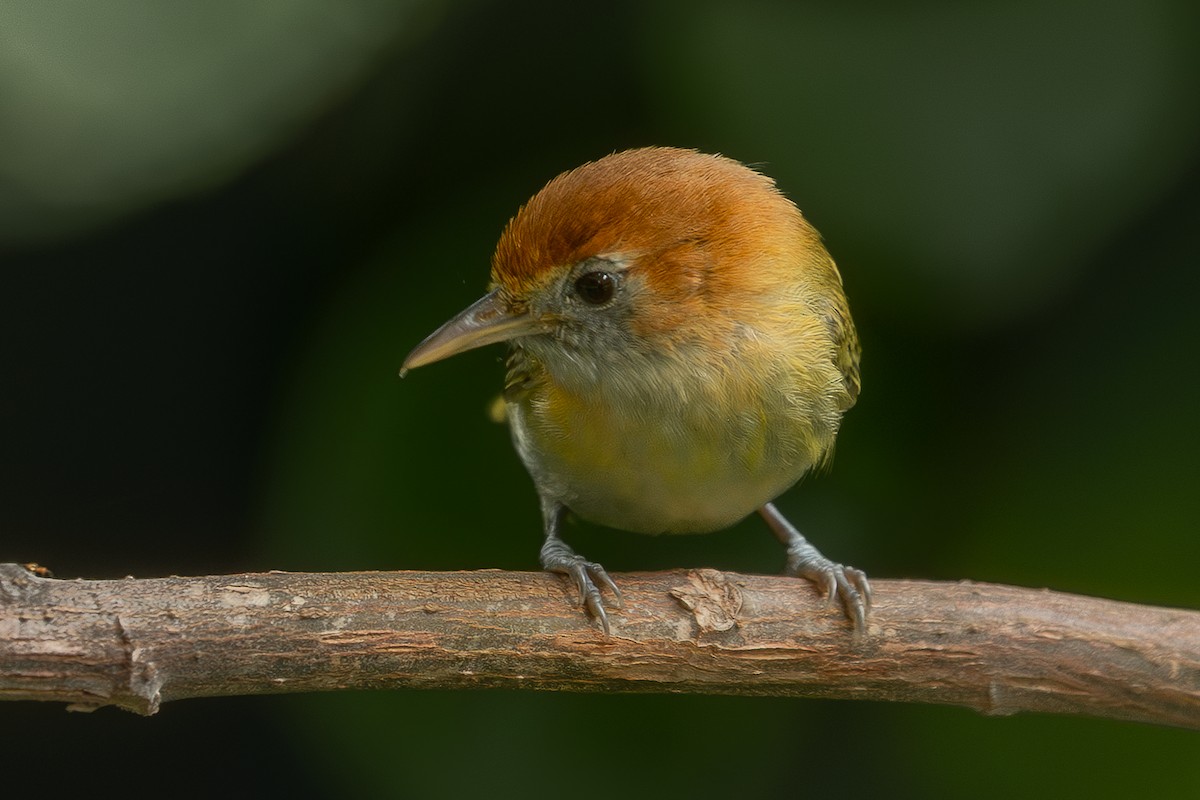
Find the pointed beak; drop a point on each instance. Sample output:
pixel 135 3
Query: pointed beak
pixel 485 321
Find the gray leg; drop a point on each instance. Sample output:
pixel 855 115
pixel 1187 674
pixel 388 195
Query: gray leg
pixel 847 584
pixel 557 556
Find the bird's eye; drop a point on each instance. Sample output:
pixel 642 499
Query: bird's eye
pixel 596 288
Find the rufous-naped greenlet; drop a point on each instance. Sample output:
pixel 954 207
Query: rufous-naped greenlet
pixel 680 353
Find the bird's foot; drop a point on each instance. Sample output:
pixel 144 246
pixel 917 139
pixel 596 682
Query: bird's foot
pixel 588 577
pixel 846 585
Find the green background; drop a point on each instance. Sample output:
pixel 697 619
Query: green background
pixel 224 224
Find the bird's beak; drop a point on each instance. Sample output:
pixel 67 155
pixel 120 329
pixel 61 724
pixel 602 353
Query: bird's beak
pixel 487 320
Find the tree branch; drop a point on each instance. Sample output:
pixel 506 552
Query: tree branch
pixel 997 649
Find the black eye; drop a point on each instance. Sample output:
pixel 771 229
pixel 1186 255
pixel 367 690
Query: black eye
pixel 595 288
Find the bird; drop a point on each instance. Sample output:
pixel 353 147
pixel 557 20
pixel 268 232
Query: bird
pixel 680 353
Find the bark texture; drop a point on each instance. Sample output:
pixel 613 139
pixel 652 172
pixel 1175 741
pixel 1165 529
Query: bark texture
pixel 998 649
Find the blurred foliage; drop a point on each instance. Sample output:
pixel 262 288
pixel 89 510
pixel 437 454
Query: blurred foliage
pixel 111 106
pixel 982 151
pixel 227 223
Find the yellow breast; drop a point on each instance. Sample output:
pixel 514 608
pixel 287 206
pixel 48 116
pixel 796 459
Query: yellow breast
pixel 693 458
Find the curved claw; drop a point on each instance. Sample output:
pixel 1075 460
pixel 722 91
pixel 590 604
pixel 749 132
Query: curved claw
pixel 589 594
pixel 586 574
pixel 558 557
pixel 845 584
pixel 598 573
pixel 837 582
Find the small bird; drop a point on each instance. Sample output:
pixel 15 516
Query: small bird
pixel 680 353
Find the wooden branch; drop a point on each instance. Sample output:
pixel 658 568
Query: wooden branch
pixel 997 649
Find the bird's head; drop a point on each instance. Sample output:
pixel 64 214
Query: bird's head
pixel 643 255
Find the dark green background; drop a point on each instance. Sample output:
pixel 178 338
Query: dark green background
pixel 224 224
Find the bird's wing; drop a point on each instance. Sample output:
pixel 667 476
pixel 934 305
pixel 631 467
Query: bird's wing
pixel 848 351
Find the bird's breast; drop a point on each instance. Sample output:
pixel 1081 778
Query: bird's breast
pixel 686 461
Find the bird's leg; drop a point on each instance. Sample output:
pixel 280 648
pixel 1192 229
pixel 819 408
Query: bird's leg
pixel 557 556
pixel 847 584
